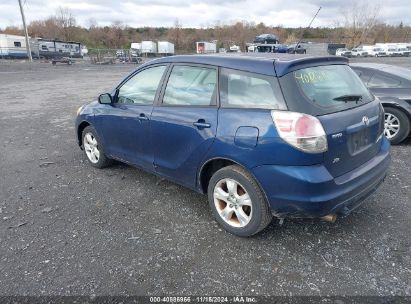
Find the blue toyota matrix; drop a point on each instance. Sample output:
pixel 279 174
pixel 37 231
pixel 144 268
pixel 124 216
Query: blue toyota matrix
pixel 262 135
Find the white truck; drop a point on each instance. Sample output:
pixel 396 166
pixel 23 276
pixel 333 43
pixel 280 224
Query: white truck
pixel 165 48
pixel 391 49
pixel 148 47
pixel 374 51
pixel 204 47
pixel 234 49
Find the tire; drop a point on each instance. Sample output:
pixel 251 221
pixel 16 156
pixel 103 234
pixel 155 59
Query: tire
pixel 254 213
pixel 396 117
pixel 92 143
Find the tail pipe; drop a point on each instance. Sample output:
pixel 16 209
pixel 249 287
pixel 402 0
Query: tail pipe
pixel 329 218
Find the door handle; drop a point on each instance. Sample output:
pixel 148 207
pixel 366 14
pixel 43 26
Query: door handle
pixel 142 116
pixel 201 124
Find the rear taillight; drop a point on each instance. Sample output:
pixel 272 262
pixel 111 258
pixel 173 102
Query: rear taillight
pixel 302 131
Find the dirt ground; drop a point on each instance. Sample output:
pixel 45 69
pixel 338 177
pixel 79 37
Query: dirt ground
pixel 69 229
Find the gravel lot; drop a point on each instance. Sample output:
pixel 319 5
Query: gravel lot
pixel 69 229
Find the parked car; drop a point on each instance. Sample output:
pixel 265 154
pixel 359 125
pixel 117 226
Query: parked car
pixel 404 52
pixel 393 52
pixel 392 86
pixel 343 52
pixel 358 52
pixel 297 49
pixel 314 148
pixel 281 48
pixel 378 52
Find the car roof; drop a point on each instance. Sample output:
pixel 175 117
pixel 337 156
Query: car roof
pixel 256 62
pixel 370 65
pixel 387 68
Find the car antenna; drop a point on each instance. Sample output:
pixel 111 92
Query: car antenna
pixel 302 34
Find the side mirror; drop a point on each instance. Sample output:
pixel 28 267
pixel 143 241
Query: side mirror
pixel 105 98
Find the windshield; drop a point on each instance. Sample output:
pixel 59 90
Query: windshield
pixel 324 89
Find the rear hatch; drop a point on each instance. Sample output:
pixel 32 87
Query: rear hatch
pixel 352 119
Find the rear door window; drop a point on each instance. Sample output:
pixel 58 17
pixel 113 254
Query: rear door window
pixel 383 81
pixel 240 89
pixel 324 89
pixel 191 86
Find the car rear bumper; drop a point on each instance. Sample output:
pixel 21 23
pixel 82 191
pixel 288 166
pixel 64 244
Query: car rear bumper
pixel 311 191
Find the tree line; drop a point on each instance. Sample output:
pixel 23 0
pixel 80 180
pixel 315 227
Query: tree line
pixel 359 25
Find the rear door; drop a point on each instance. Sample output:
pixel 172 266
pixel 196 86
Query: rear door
pixel 352 119
pixel 354 137
pixel 184 123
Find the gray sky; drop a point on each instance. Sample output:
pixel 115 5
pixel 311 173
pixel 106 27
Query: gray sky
pixel 198 13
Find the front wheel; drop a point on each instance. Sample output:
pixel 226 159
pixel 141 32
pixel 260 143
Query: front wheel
pixel 93 148
pixel 396 125
pixel 237 202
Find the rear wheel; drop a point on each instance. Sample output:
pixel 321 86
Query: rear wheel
pixel 237 201
pixel 396 125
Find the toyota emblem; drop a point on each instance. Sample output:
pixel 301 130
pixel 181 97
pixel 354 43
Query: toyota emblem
pixel 365 120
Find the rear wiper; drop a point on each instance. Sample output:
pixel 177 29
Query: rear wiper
pixel 347 98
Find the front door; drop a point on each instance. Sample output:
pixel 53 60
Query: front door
pixel 184 124
pixel 125 124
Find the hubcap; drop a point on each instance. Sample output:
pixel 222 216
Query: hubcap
pixel 91 147
pixel 391 125
pixel 232 202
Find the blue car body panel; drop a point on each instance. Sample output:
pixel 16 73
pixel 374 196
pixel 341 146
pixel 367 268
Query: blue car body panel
pixel 179 145
pixel 170 143
pixel 270 148
pixel 121 126
pixel 311 191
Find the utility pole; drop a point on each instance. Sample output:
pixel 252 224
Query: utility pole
pixel 25 32
pixel 302 34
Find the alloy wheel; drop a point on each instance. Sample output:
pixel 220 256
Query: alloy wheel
pixel 391 125
pixel 232 202
pixel 91 147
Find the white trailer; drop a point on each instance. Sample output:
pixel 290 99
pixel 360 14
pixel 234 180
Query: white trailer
pixel 12 46
pixel 204 47
pixel 49 48
pixel 136 46
pixel 148 47
pixel 165 48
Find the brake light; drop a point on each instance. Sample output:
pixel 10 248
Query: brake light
pixel 302 131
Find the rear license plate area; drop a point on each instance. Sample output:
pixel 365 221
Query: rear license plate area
pixel 359 141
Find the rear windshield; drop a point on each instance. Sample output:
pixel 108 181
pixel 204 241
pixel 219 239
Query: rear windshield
pixel 323 90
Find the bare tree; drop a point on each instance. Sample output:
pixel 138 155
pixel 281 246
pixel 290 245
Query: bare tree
pixel 116 35
pixel 360 17
pixel 66 22
pixel 92 23
pixel 175 34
